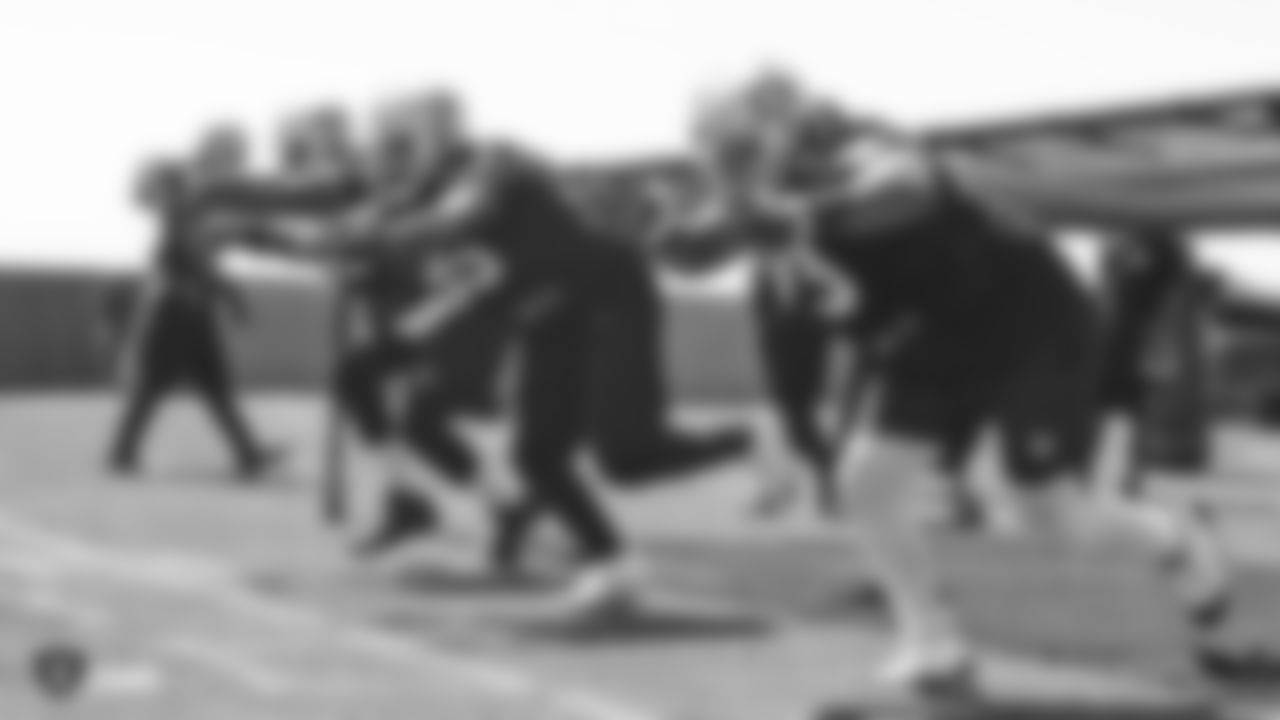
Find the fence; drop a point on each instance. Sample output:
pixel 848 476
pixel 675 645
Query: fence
pixel 53 335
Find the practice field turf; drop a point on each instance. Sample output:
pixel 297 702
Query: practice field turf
pixel 198 597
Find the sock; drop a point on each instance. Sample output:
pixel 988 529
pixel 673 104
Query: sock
pixel 900 558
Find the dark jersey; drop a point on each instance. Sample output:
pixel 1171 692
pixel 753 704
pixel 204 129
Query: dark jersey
pixel 184 291
pixel 974 292
pixel 527 225
pixel 391 279
pixel 530 223
pixel 186 271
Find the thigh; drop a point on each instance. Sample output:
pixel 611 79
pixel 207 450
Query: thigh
pixel 795 349
pixel 944 411
pixel 1048 414
pixel 551 384
pixel 206 362
pixel 469 377
pixel 887 476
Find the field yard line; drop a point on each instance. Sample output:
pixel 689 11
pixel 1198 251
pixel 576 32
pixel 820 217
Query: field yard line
pixel 40 592
pixel 207 578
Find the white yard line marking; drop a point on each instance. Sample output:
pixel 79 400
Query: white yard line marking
pixel 41 589
pixel 239 666
pixel 215 582
pixel 126 680
pixel 47 599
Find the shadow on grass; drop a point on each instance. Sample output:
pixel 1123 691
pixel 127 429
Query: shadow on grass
pixel 648 625
pixel 1015 709
pixel 1090 610
pixel 430 579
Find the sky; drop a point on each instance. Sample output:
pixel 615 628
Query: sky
pixel 91 87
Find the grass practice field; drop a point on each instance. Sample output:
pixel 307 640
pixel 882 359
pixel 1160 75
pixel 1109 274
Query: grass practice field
pixel 200 598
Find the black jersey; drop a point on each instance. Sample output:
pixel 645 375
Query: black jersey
pixel 973 291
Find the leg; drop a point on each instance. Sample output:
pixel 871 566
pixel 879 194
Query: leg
pixel 405 514
pixel 795 348
pixel 429 430
pixel 1119 458
pixel 965 503
pixel 930 403
pixel 1049 424
pixel 149 380
pixel 630 402
pixel 358 388
pixel 212 381
pixel 460 378
pixel 550 409
pixel 885 476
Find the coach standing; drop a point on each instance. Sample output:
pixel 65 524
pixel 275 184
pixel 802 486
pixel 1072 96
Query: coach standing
pixel 175 339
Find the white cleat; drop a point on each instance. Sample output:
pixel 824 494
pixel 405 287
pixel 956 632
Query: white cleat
pixel 944 671
pixel 1203 573
pixel 604 592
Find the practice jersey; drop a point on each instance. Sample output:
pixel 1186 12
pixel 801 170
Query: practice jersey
pixel 526 223
pixel 185 269
pixel 972 290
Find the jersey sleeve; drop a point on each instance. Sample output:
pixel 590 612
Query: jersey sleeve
pixel 465 208
pixel 288 196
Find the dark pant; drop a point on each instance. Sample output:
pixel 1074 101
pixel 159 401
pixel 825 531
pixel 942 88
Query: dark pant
pixel 617 328
pixel 433 390
pixel 175 355
pixel 1037 388
pixel 552 425
pixel 796 348
pixel 592 375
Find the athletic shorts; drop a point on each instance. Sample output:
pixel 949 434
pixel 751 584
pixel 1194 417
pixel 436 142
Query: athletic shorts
pixel 1036 388
pixel 184 350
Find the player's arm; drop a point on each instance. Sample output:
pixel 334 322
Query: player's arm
pixel 280 236
pixel 701 242
pixel 285 217
pixel 286 195
pixel 398 216
pixel 718 227
pixel 463 279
